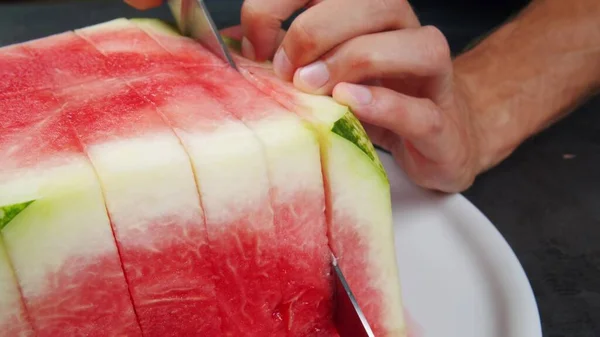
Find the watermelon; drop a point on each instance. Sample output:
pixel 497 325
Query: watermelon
pixel 212 199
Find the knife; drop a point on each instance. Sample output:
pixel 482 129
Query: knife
pixel 349 318
pixel 194 20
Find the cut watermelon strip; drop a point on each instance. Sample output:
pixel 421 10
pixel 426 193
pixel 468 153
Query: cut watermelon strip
pixel 291 150
pixel 232 177
pixel 61 245
pixel 13 317
pixel 154 208
pixel 358 199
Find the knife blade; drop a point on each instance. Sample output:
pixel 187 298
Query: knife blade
pixel 194 20
pixel 349 318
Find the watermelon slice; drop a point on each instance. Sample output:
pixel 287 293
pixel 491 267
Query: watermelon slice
pixel 359 201
pixel 153 205
pixel 292 150
pixel 60 245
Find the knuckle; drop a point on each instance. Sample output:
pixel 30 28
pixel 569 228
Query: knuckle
pixel 437 50
pixel 302 37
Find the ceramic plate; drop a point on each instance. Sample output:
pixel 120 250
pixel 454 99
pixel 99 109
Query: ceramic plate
pixel 459 276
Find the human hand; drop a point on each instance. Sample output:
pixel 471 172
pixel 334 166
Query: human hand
pixel 417 109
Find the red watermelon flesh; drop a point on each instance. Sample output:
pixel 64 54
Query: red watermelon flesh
pixel 61 246
pixel 154 207
pixel 20 71
pixel 68 60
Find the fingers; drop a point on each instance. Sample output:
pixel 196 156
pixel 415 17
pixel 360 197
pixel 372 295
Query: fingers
pixel 143 4
pixel 421 52
pixel 261 21
pixel 332 22
pixel 416 120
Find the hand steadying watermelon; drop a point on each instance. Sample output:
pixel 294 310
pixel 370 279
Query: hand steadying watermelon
pixel 146 189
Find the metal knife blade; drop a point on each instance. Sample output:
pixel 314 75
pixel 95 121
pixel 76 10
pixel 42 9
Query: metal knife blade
pixel 349 318
pixel 194 20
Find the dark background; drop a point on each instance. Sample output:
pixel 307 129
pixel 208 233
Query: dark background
pixel 544 199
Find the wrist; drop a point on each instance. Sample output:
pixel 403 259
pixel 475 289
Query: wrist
pixel 492 138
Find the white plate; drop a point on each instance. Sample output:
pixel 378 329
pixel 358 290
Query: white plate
pixel 459 276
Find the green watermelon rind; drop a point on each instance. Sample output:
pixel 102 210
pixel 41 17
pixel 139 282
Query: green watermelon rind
pixel 9 212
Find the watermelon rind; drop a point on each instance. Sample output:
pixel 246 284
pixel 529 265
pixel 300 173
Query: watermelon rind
pixel 9 212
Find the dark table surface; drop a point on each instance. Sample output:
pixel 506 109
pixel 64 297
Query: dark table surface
pixel 544 199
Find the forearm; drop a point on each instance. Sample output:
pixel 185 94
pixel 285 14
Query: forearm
pixel 531 72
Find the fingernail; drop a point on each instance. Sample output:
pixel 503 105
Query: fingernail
pixel 352 94
pixel 248 49
pixel 312 77
pixel 282 65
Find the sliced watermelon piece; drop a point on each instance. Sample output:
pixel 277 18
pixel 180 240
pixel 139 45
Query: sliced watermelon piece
pixel 13 317
pixel 61 245
pixel 358 199
pixel 232 177
pixel 154 207
pixel 68 60
pixel 292 150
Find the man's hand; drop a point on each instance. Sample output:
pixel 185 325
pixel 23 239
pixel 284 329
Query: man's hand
pixel 416 111
pixel 444 121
